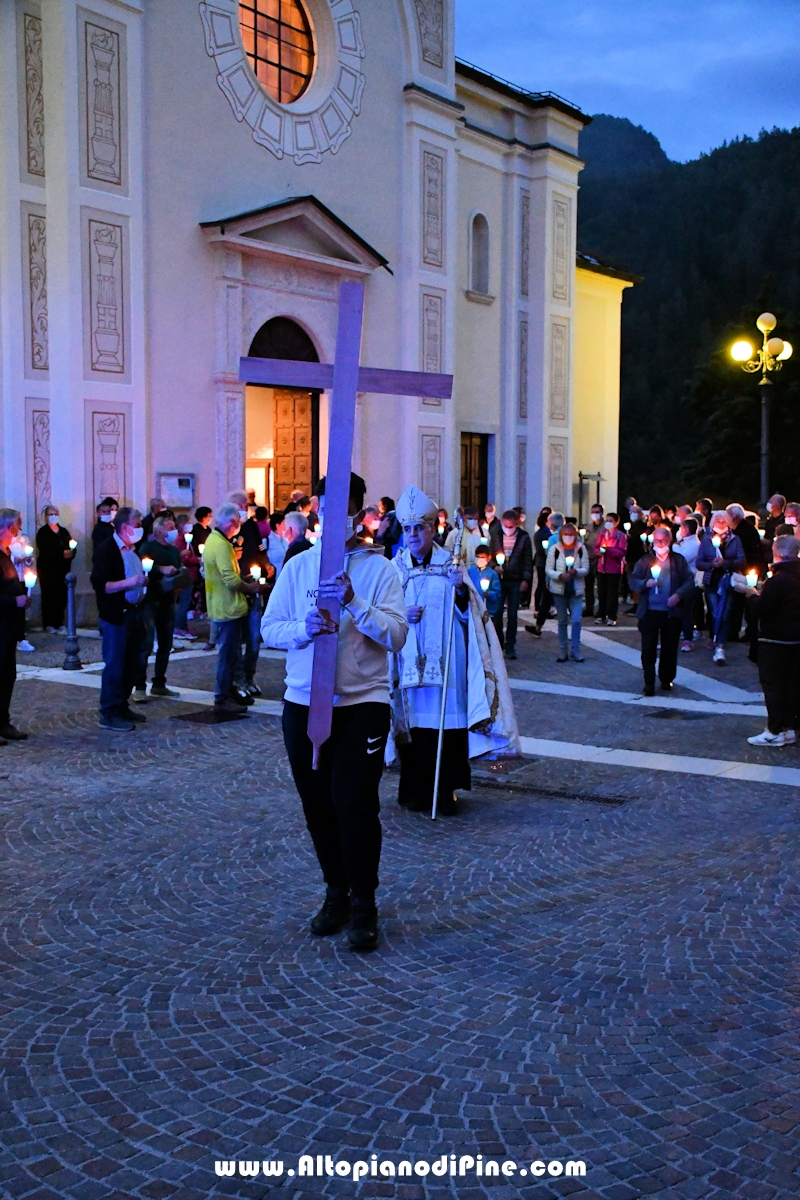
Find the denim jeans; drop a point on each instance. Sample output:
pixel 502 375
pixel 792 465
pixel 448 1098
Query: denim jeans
pixel 569 609
pixel 251 638
pixel 159 621
pixel 720 608
pixel 122 646
pixel 510 592
pixel 230 635
pixel 182 606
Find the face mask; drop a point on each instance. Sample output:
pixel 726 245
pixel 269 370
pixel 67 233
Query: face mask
pixel 171 537
pixel 609 525
pixel 568 541
pixel 106 518
pixel 52 519
pixel 661 551
pixel 472 524
pixel 350 528
pixel 508 530
pixel 243 514
pixel 188 528
pixel 678 537
pixel 135 535
pixel 597 518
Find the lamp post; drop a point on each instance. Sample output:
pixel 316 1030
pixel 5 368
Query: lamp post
pixel 773 354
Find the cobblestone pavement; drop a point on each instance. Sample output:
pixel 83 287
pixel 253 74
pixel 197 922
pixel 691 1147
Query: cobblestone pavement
pixel 602 969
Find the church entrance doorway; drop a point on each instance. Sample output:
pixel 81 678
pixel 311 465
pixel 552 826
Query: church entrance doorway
pixel 474 469
pixel 282 424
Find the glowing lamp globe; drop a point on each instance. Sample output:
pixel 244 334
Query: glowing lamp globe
pixel 766 322
pixel 741 351
pixel 786 352
pixel 775 347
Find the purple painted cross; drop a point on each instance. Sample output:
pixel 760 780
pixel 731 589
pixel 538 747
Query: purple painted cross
pixel 346 377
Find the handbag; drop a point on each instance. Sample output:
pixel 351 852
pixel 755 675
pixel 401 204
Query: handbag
pixel 739 582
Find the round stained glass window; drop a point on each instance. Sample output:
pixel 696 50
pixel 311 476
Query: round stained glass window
pixel 278 42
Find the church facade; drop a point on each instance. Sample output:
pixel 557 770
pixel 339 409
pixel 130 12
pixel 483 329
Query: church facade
pixel 183 183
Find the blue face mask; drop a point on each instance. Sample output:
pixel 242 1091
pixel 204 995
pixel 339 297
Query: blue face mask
pixel 171 536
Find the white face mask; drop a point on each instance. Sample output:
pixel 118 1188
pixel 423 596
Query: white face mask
pixel 508 531
pixel 171 537
pixel 350 528
pixel 52 519
pixel 568 541
pixel 661 551
pixel 134 535
pixel 188 528
pixel 472 523
pixel 106 518
pixel 609 525
pixel 597 517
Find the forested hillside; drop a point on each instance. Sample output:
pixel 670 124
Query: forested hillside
pixel 717 241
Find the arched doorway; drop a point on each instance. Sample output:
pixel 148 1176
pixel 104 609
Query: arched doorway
pixel 282 424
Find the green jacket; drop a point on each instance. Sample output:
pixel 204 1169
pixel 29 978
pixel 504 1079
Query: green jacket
pixel 224 601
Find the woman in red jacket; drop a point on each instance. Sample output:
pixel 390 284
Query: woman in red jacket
pixel 610 548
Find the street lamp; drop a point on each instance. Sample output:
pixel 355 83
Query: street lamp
pixel 773 354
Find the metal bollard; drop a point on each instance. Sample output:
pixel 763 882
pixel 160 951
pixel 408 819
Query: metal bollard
pixel 72 661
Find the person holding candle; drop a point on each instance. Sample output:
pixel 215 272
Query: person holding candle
pixel 491 522
pixel 161 561
pixel 14 600
pixel 721 553
pixel 443 527
pixel 548 524
pixel 775 517
pixel 754 561
pixel 390 532
pixel 103 528
pixel 227 588
pixel 190 562
pixel 471 538
pixel 610 546
pixel 514 545
pixel 687 544
pixel 589 537
pixel 119 580
pixel 664 584
pixel 487 583
pixel 635 550
pixel 567 568
pixel 777 612
pixel 295 527
pixel 53 562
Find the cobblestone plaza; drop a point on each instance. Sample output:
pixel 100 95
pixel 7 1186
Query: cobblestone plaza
pixel 594 962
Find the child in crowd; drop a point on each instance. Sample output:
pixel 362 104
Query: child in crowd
pixel 487 582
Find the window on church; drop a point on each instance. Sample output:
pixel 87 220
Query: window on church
pixel 278 41
pixel 479 266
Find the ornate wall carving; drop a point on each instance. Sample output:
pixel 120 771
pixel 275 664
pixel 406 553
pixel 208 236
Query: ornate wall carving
pixel 522 472
pixel 525 244
pixel 557 472
pixel 106 297
pixel 432 209
pixel 522 405
pixel 231 407
pixel 108 455
pixel 430 16
pixel 432 339
pixel 34 95
pixel 559 372
pixel 102 104
pixel 40 444
pixel 562 235
pixel 37 292
pixel 321 126
pixel 430 463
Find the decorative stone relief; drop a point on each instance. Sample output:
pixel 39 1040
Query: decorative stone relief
pixel 525 244
pixel 34 96
pixel 230 395
pixel 522 472
pixel 102 100
pixel 432 341
pixel 106 298
pixel 108 457
pixel 289 278
pixel 557 472
pixel 40 442
pixel 432 209
pixel 559 372
pixel 37 292
pixel 430 468
pixel 523 369
pixel 325 115
pixel 562 221
pixel 430 15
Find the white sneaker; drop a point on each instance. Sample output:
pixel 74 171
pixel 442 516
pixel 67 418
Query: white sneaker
pixel 789 737
pixel 686 647
pixel 610 622
pixel 768 739
pixel 719 657
pixel 599 621
pixel 26 646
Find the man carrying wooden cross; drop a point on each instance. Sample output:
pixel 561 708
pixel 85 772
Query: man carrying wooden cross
pixel 340 798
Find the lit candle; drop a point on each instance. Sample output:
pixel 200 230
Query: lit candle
pixel 28 551
pixel 369 541
pixel 643 536
pixel 485 585
pixel 485 528
pixel 73 545
pixel 650 537
pixel 627 527
pixel 484 541
pixel 570 559
pixel 201 549
pixel 30 581
pixel 188 538
pixel 762 533
pixel 147 565
pixel 655 571
pixel 256 573
pixel 752 578
pixel 716 541
pixel 500 559
pixel 441 529
pixel 582 532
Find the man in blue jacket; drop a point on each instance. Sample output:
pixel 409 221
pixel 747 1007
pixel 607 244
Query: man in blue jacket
pixel 664 583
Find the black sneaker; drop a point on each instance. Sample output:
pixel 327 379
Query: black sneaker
pixel 334 914
pixel 649 689
pixel 128 714
pixel 116 724
pixel 164 691
pixel 362 932
pixel 242 696
pixel 10 733
pixel 254 689
pixel 536 630
pixel 666 687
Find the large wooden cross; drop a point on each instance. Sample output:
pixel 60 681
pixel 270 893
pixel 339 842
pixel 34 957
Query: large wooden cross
pixel 346 377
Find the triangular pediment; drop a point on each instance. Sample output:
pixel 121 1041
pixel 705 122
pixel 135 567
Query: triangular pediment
pixel 300 229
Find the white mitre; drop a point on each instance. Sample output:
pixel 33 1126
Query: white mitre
pixel 414 505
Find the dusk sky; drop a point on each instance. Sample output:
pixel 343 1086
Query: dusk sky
pixel 693 72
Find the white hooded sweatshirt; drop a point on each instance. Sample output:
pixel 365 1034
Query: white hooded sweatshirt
pixel 372 626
